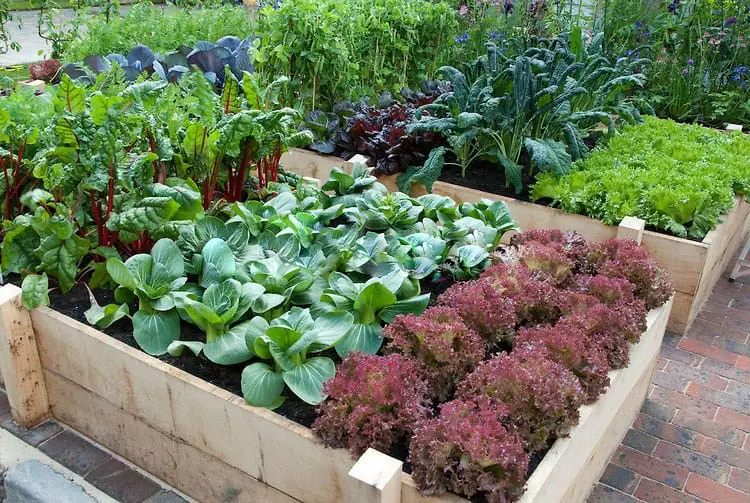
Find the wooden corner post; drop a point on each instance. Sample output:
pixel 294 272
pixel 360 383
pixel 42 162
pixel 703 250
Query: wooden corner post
pixel 631 228
pixel 19 361
pixel 379 477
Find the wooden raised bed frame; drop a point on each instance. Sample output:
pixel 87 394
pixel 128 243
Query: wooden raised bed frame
pixel 694 267
pixel 208 443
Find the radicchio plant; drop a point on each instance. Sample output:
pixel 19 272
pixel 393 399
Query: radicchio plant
pixel 542 396
pixel 470 449
pixel 567 344
pixel 444 346
pixel 547 262
pixel 482 308
pixel 606 328
pixel 617 293
pixel 374 401
pixel 572 244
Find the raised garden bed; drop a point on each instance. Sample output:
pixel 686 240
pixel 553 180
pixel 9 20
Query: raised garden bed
pixel 208 443
pixel 694 267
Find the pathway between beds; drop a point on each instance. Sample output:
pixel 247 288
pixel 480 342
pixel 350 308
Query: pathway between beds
pixel 691 440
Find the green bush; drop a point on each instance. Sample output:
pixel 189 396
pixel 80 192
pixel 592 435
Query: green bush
pixel 679 178
pixel 334 50
pixel 162 29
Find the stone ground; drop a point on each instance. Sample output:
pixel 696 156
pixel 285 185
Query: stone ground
pixel 691 440
pixel 102 475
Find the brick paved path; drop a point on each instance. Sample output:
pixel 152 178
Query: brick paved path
pixel 691 440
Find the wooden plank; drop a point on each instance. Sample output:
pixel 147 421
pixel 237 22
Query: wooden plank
pixel 259 442
pixel 19 361
pixel 173 460
pixel 379 477
pixel 681 313
pixel 308 163
pixel 532 216
pixel 570 468
pixel 723 242
pixel 681 258
pixel 631 228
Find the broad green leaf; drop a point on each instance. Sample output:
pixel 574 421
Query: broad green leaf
pixel 230 348
pixel 34 291
pixel 307 380
pixel 362 338
pixel 177 347
pixel 413 305
pixel 261 386
pixel 218 262
pixel 105 316
pixel 167 263
pixel 155 332
pixel 329 329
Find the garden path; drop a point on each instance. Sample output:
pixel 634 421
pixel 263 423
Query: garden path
pixel 23 29
pixel 691 440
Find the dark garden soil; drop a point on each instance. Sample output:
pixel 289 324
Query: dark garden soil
pixel 75 302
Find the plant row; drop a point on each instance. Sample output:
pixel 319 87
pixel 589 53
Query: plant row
pixel 509 358
pixel 678 178
pixel 279 282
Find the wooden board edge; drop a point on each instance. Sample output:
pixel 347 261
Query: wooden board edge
pixel 178 463
pixel 550 482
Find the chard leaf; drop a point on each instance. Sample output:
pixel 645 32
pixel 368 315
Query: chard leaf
pixel 34 291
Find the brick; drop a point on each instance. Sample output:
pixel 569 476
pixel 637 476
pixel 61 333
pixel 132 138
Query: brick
pixel 604 494
pixel 620 478
pixel 727 453
pixel 661 363
pixel 122 482
pixel 734 419
pixel 658 410
pixel 74 452
pixel 34 436
pixel 709 428
pixel 640 441
pixel 667 431
pixel 682 401
pixel 740 479
pixel 734 398
pixel 704 349
pixel 682 374
pixel 673 354
pixel 693 461
pixel 717 382
pixel 737 318
pixel 737 347
pixel 743 363
pixel 653 492
pixel 704 330
pixel 726 370
pixel 713 492
pixel 650 467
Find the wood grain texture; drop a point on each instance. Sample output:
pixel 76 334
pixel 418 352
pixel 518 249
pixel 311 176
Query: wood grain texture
pixel 19 361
